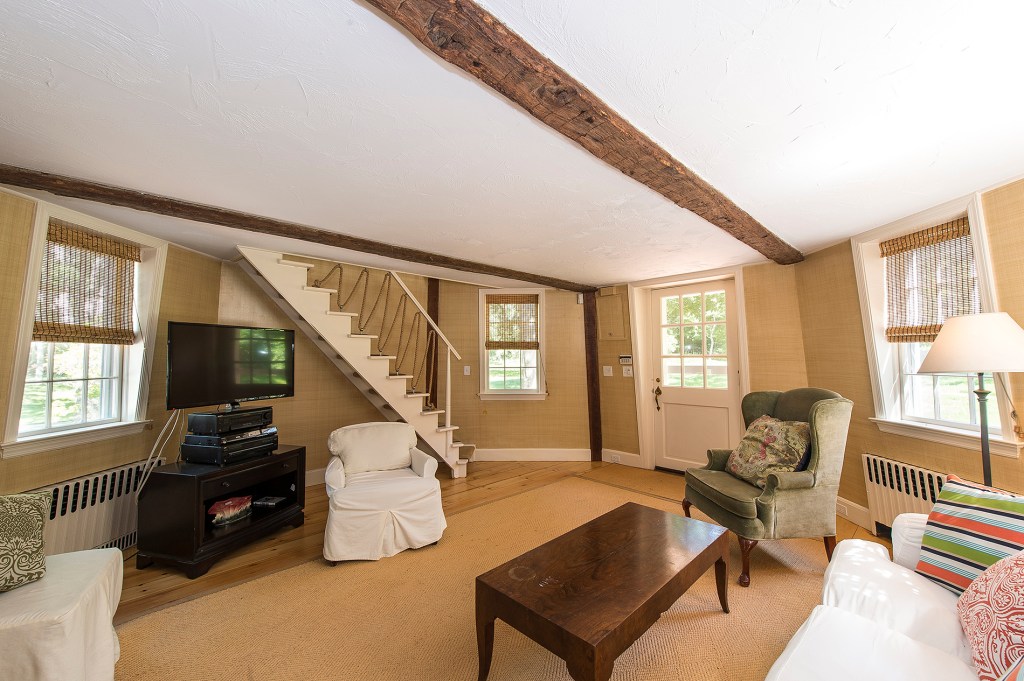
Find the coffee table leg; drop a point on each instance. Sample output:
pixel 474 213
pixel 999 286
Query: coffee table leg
pixel 722 581
pixel 484 642
pixel 598 669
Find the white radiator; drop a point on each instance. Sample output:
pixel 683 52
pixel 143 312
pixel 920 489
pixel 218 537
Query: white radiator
pixel 94 511
pixel 895 487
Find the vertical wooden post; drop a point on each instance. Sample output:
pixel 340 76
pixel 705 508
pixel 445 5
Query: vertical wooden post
pixel 433 311
pixel 593 374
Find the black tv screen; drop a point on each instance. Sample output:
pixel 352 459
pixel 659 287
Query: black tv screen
pixel 213 364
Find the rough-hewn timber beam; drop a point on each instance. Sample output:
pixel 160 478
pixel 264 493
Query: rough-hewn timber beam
pixel 463 34
pixel 163 205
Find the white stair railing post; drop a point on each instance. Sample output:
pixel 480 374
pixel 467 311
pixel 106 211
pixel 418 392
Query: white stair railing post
pixel 448 388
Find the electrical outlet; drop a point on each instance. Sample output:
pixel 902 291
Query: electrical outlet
pixel 466 370
pixel 616 458
pixel 627 371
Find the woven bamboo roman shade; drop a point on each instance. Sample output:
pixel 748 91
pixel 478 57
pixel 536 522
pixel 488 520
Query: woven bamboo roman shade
pixel 86 288
pixel 512 322
pixel 929 276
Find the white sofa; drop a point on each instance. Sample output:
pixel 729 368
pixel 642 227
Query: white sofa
pixel 59 628
pixel 879 619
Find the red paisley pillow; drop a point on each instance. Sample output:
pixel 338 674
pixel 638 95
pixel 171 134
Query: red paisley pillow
pixel 991 612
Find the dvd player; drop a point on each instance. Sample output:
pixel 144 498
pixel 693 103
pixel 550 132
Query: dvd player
pixel 229 438
pixel 222 422
pixel 220 455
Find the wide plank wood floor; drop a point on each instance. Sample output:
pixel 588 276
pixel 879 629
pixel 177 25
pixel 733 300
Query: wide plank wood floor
pixel 157 587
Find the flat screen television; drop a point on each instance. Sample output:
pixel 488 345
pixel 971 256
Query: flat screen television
pixel 211 364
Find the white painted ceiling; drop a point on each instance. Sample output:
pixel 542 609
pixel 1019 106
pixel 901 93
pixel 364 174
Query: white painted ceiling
pixel 821 119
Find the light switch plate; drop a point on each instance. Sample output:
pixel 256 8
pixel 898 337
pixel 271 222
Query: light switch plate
pixel 607 371
pixel 627 371
pixel 466 370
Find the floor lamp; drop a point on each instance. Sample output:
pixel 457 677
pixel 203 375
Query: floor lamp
pixel 979 343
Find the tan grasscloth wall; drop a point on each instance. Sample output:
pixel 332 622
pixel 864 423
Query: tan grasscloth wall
pixel 618 392
pixel 775 342
pixel 560 421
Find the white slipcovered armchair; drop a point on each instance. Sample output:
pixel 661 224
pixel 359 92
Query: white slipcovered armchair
pixel 383 496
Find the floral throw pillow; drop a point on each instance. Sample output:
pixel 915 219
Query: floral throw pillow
pixel 991 611
pixel 21 538
pixel 769 446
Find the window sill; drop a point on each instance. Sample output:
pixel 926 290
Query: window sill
pixel 50 441
pixel 512 396
pixel 948 436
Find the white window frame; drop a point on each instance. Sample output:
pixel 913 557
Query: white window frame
pixel 487 393
pixel 883 357
pixel 137 359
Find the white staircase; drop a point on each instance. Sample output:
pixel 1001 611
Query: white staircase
pixel 285 281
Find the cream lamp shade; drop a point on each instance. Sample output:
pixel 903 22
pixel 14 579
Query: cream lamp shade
pixel 990 342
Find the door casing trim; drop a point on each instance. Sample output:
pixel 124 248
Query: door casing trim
pixel 639 294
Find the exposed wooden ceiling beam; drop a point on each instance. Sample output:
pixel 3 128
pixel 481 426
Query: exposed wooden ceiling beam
pixel 177 208
pixel 465 35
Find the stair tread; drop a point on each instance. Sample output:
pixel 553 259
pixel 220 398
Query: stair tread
pixel 431 412
pixel 417 394
pixel 446 429
pixel 462 462
pixel 396 377
pixel 335 313
pixel 296 263
pixel 361 335
pixel 382 357
pixel 462 444
pixel 316 288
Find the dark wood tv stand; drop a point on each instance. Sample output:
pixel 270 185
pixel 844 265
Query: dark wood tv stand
pixel 175 527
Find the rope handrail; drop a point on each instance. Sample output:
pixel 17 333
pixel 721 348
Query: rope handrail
pixel 389 276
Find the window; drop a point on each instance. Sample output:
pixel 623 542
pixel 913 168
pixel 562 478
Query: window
pixel 913 275
pixel 512 339
pixel 930 275
pixel 84 314
pixel 70 385
pixel 90 306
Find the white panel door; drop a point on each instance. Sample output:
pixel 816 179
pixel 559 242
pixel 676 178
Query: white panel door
pixel 696 372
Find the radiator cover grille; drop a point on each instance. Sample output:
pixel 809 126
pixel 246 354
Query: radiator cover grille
pixel 895 487
pixel 94 511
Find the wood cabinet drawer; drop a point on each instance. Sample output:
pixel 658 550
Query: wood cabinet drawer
pixel 232 482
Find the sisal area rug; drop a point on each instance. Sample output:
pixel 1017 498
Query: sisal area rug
pixel 412 616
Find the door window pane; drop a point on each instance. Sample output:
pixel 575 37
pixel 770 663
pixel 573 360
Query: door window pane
pixel 693 372
pixel 693 344
pixel 671 372
pixel 715 336
pixel 714 306
pixel 692 313
pixel 718 373
pixel 670 340
pixel 670 310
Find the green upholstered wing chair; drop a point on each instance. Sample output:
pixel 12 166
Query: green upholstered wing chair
pixel 792 504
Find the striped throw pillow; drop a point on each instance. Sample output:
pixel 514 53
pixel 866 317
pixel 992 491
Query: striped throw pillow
pixel 969 528
pixel 1014 673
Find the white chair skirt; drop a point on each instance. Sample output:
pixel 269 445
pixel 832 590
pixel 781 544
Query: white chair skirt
pixel 380 513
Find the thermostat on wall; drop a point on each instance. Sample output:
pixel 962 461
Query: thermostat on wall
pixel 625 359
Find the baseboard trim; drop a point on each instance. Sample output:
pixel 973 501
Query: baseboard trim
pixel 315 477
pixel 624 458
pixel 531 455
pixel 855 513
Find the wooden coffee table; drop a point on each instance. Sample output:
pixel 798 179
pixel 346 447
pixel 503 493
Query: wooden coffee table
pixel 588 595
